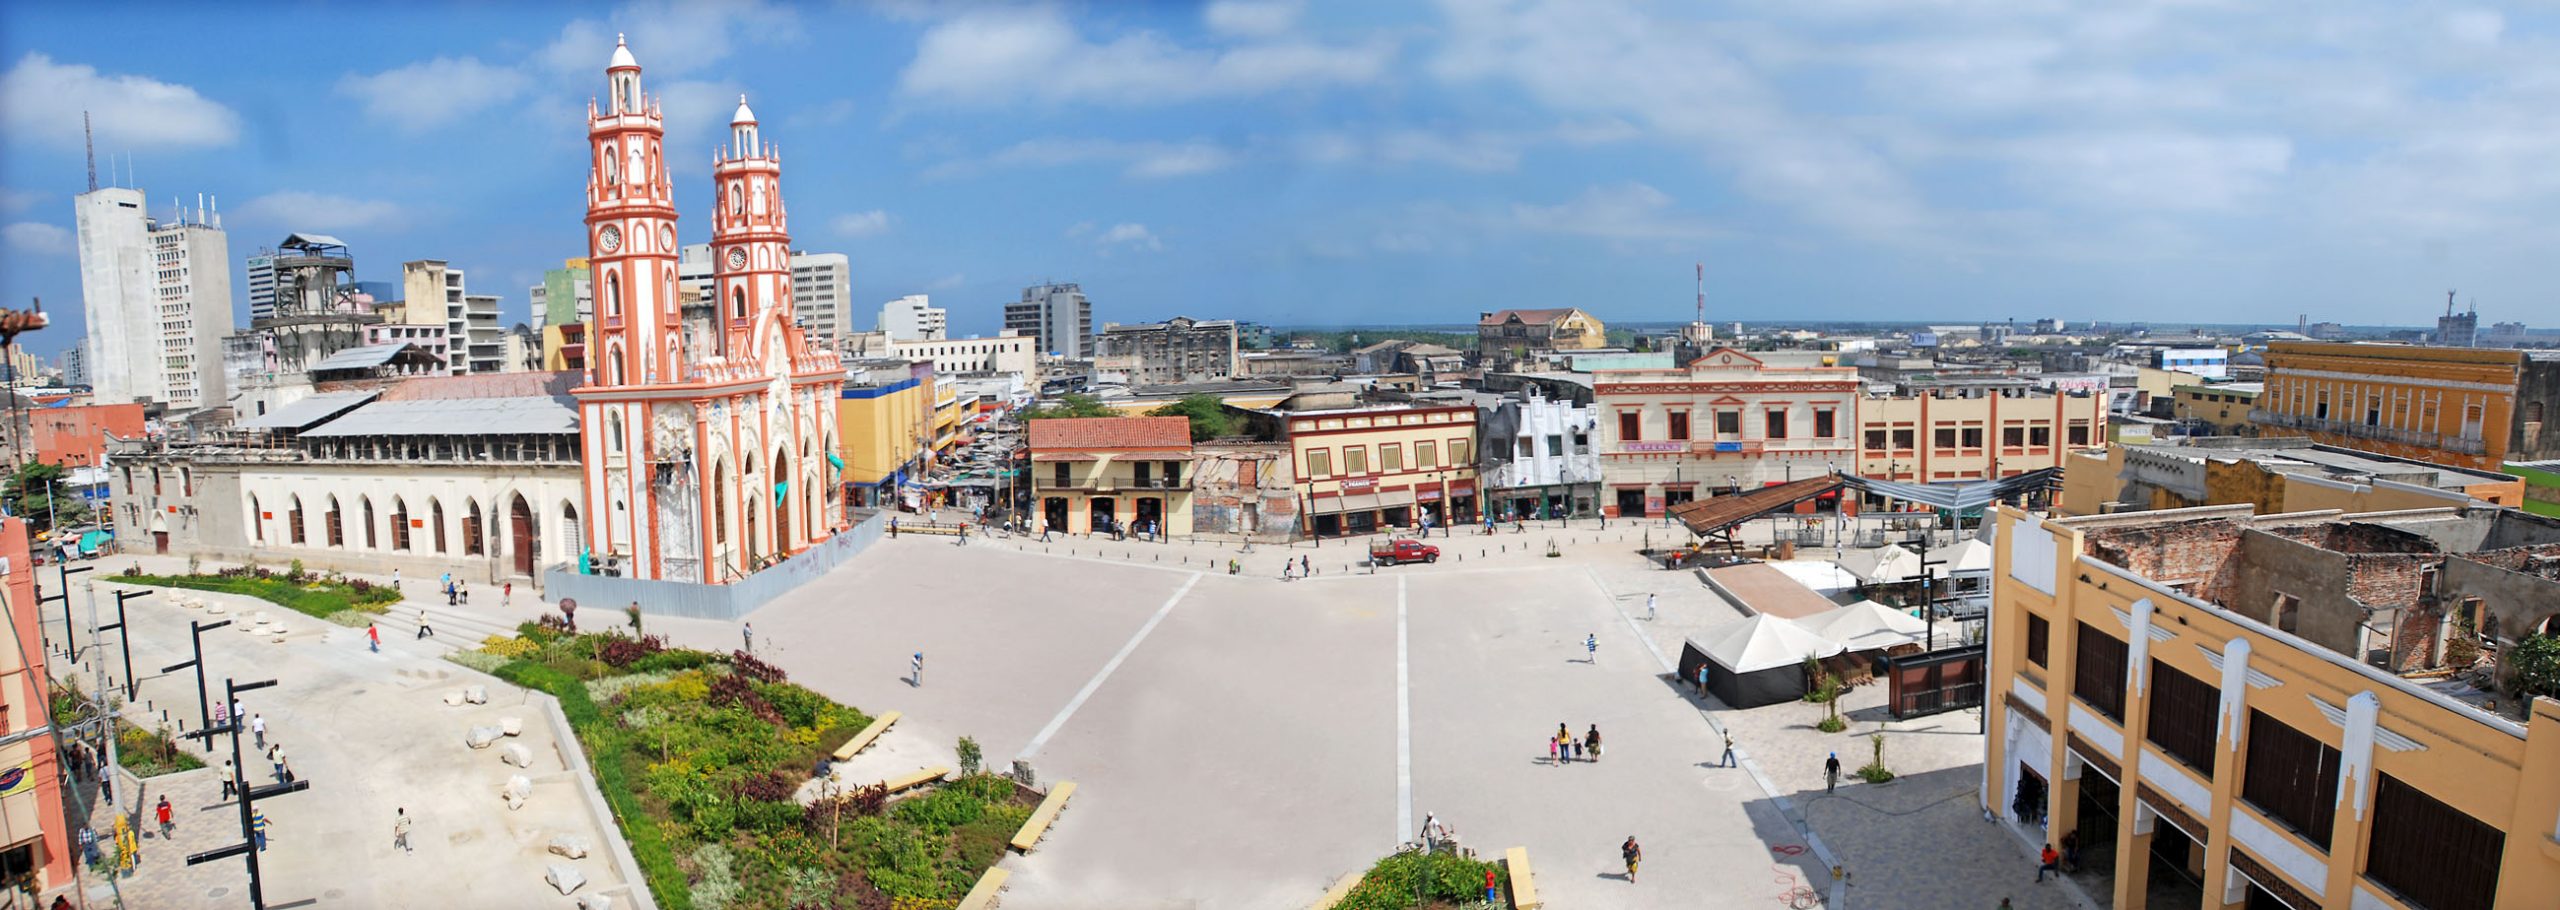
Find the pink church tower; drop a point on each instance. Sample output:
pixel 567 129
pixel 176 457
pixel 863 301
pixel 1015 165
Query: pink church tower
pixel 701 466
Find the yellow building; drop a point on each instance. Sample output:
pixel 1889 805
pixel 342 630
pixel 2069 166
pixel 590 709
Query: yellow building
pixel 2162 729
pixel 1379 467
pixel 1101 474
pixel 2275 475
pixel 2215 409
pixel 1507 338
pixel 885 420
pixel 2456 406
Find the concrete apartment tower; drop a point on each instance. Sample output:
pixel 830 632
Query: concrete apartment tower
pixel 436 294
pixel 822 294
pixel 158 298
pixel 1058 315
pixel 914 318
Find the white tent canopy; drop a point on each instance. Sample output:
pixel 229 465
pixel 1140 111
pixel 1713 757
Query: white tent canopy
pixel 1968 555
pixel 1868 626
pixel 1883 565
pixel 1823 576
pixel 1764 642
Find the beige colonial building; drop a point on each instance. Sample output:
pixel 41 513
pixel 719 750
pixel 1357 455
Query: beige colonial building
pixel 1378 467
pixel 1942 436
pixel 1092 474
pixel 1727 421
pixel 1508 338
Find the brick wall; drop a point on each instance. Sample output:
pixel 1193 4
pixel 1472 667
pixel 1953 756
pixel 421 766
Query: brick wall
pixel 2413 639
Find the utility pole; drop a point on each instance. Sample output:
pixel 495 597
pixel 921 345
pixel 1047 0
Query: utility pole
pixel 106 714
pixel 248 845
pixel 196 629
pixel 124 639
pixel 70 643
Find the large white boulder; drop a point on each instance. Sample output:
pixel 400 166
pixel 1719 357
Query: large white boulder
pixel 478 695
pixel 519 788
pixel 453 698
pixel 564 877
pixel 573 846
pixel 595 902
pixel 481 737
pixel 516 754
pixel 511 726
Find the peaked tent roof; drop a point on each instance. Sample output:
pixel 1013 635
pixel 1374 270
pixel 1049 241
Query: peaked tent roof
pixel 1968 555
pixel 1868 626
pixel 1764 642
pixel 1888 563
pixel 1958 496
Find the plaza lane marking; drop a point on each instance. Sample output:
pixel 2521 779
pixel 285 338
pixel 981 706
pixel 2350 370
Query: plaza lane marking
pixel 1105 673
pixel 1658 659
pixel 1404 722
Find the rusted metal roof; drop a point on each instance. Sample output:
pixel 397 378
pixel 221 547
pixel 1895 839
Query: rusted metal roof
pixel 1712 516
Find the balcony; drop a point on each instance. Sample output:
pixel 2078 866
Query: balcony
pixel 2415 438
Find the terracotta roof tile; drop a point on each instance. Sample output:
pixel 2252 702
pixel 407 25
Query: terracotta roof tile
pixel 1532 317
pixel 1111 433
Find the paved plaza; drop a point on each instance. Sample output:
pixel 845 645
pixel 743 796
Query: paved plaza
pixel 1239 741
pixel 372 734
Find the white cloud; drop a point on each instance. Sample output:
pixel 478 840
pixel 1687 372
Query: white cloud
pixel 433 94
pixel 991 58
pixel 43 100
pixel 947 282
pixel 697 115
pixel 298 210
pixel 1122 236
pixel 668 37
pixel 1136 159
pixel 2476 26
pixel 2149 171
pixel 1627 211
pixel 17 200
pixel 38 238
pixel 1255 18
pixel 862 224
pixel 1477 151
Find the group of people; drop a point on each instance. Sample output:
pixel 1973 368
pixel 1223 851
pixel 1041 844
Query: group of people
pixel 1302 567
pixel 1565 747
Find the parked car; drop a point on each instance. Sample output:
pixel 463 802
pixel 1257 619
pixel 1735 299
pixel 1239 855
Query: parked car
pixel 1401 551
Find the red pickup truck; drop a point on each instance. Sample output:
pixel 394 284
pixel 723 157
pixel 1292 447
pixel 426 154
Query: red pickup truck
pixel 1401 551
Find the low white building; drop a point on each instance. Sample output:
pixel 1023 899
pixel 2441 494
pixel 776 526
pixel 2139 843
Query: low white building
pixel 914 318
pixel 474 475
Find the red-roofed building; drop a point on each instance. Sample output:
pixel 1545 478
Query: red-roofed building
pixel 1505 339
pixel 77 436
pixel 1095 474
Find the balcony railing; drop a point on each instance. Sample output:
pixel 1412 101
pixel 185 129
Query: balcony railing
pixel 2421 439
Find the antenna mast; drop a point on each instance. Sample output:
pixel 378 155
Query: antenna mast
pixel 1702 293
pixel 89 142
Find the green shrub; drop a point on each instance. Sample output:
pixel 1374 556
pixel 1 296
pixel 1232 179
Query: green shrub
pixel 315 598
pixel 1390 884
pixel 971 756
pixel 718 886
pixel 2535 667
pixel 671 661
pixel 1831 724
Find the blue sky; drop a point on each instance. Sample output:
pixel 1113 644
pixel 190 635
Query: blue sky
pixel 1326 162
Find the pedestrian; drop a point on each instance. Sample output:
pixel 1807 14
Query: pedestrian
pixel 507 595
pixel 1831 773
pixel 466 593
pixel 166 823
pixel 1306 567
pixel 2048 861
pixel 1591 645
pixel 1593 740
pixel 230 779
pixel 425 628
pixel 450 599
pixel 1702 678
pixel 2071 851
pixel 395 579
pixel 221 714
pixel 1577 748
pixel 916 667
pixel 235 707
pixel 1728 748
pixel 1044 530
pixel 89 846
pixel 747 633
pixel 1648 608
pixel 275 757
pixel 373 637
pixel 1633 854
pixel 2004 904
pixel 258 827
pixel 893 527
pixel 446 581
pixel 569 614
pixel 400 832
pixel 258 726
pixel 287 764
pixel 1552 745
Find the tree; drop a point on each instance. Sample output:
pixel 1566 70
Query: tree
pixel 1208 414
pixel 37 490
pixel 1070 405
pixel 2534 668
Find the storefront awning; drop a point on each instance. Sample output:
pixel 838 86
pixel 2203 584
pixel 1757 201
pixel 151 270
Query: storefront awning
pixel 1352 502
pixel 1395 499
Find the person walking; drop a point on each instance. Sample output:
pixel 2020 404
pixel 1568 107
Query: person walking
pixel 747 634
pixel 258 829
pixel 258 727
pixel 287 764
pixel 1306 567
pixel 425 628
pixel 507 595
pixel 166 823
pixel 1728 748
pixel 275 757
pixel 1554 744
pixel 1649 614
pixel 1831 773
pixel 893 527
pixel 230 780
pixel 569 613
pixel 400 832
pixel 1591 646
pixel 1592 741
pixel 373 637
pixel 915 667
pixel 395 579
pixel 1633 854
pixel 2048 861
pixel 1576 746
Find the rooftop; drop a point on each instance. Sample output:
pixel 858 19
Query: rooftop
pixel 1111 433
pixel 2298 455
pixel 1532 317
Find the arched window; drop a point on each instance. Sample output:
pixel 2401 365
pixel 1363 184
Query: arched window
pixel 612 166
pixel 613 294
pixel 366 504
pixel 257 522
pixel 337 535
pixel 719 502
pixel 399 523
pixel 293 521
pixel 738 303
pixel 613 432
pixel 737 201
pixel 435 513
pixel 667 291
pixel 613 365
pixel 471 544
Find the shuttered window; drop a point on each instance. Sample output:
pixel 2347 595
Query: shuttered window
pixel 2435 856
pixel 2039 633
pixel 2181 719
pixel 2099 675
pixel 2292 778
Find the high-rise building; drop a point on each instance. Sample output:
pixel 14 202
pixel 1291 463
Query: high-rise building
pixel 262 286
pixel 75 364
pixel 1058 315
pixel 914 318
pixel 158 298
pixel 563 306
pixel 434 293
pixel 704 461
pixel 821 293
pixel 693 270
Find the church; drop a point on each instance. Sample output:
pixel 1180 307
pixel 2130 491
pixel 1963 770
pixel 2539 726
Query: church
pixel 709 453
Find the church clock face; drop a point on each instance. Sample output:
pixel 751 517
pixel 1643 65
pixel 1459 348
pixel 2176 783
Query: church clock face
pixel 610 239
pixel 666 238
pixel 737 259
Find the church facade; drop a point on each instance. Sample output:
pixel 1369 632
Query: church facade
pixel 711 453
